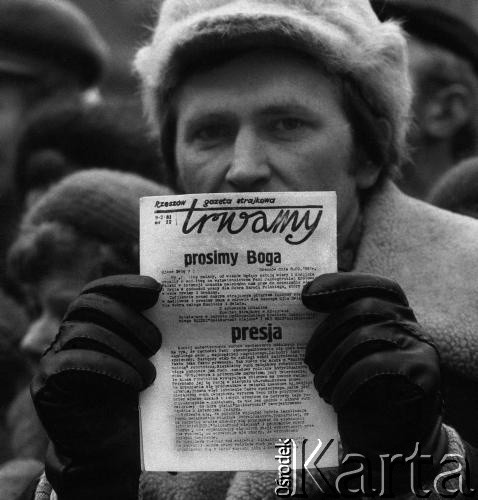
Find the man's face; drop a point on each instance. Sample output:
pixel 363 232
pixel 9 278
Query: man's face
pixel 266 121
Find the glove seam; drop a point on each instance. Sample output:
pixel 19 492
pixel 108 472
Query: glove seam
pixel 98 372
pixel 88 336
pixel 378 374
pixel 411 330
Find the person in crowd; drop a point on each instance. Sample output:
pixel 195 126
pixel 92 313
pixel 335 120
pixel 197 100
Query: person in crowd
pixel 457 190
pixel 63 138
pixel 49 50
pixel 275 96
pixel 84 227
pixel 14 375
pixel 443 61
pixel 13 368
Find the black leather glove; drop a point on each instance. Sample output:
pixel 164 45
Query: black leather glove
pixel 86 392
pixel 372 361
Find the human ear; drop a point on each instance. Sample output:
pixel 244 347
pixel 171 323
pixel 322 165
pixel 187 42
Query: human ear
pixel 447 111
pixel 368 171
pixel 367 175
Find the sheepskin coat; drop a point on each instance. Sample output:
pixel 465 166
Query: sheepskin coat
pixel 431 253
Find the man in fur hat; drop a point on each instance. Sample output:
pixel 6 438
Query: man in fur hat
pixel 253 95
pixel 443 63
pixel 49 50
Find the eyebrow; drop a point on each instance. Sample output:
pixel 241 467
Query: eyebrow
pixel 200 118
pixel 285 108
pixel 267 110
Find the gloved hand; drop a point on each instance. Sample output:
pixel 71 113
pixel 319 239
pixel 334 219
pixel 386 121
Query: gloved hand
pixel 86 392
pixel 372 361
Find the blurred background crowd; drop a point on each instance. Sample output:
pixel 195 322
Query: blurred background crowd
pixel 75 156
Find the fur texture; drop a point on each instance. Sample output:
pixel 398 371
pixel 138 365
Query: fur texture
pixel 431 253
pixel 345 36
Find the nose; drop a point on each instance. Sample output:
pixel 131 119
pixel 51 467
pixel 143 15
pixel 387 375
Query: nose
pixel 39 335
pixel 249 169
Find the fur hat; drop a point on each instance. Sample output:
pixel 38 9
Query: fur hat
pixel 39 35
pixel 345 36
pixel 99 203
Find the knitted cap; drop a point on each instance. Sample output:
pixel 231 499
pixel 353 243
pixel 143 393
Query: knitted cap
pixel 34 33
pixel 345 36
pixel 100 203
pixel 435 21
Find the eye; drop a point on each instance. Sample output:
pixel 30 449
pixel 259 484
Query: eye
pixel 288 124
pixel 210 134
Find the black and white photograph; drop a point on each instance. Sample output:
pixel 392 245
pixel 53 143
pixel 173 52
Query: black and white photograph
pixel 238 249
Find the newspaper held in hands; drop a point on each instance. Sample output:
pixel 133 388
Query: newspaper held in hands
pixel 231 381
